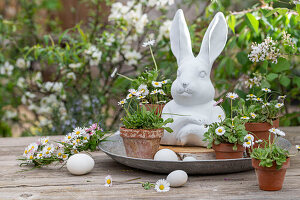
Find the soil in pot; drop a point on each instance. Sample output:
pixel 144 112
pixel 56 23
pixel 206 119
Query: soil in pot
pixel 156 107
pixel 141 143
pixel 261 130
pixel 270 178
pixel 225 151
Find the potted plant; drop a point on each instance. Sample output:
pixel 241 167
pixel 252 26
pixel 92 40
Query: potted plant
pixel 261 111
pixel 228 137
pixel 270 162
pixel 152 93
pixel 142 130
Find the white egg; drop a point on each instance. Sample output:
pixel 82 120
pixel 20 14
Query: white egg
pixel 80 164
pixel 177 178
pixel 189 158
pixel 166 155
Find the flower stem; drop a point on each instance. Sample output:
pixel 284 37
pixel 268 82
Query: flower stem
pixel 153 58
pixel 125 76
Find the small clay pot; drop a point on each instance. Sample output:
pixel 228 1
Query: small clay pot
pixel 261 130
pixel 270 178
pixel 156 107
pixel 225 151
pixel 141 143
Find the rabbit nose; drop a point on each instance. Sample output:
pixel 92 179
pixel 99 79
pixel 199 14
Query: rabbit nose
pixel 184 84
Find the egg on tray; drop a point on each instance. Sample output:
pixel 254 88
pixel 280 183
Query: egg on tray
pixel 165 155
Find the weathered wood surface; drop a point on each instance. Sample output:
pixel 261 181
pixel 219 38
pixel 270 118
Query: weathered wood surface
pixel 53 183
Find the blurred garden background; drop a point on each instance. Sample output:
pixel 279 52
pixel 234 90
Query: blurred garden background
pixel 59 59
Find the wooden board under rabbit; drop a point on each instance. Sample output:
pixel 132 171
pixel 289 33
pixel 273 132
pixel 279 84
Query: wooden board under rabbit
pixel 200 153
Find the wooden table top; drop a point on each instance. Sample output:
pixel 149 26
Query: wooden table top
pixel 54 183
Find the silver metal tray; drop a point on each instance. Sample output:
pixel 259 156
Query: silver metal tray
pixel 115 149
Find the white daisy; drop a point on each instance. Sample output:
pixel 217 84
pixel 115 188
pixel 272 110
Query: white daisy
pixel 266 90
pixel 39 155
pixel 161 92
pixel 44 140
pixel 143 90
pixel 164 81
pixel 279 105
pixel 30 156
pixel 60 153
pixel 122 102
pixel 249 137
pixel 108 181
pixel 32 147
pixel 154 91
pixel 162 186
pixel 78 131
pixel 258 99
pixel 245 117
pixel 265 104
pixel 298 147
pixel 247 144
pixel 253 115
pixel 134 92
pixel 26 151
pixel 65 156
pixel 251 96
pixel 86 137
pixel 281 97
pixel 232 95
pixel 220 130
pixel 272 130
pixel 129 96
pixel 279 133
pixel 148 43
pixel 258 141
pixel 156 84
pixel 141 97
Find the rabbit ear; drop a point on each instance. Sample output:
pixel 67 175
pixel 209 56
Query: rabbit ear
pixel 180 37
pixel 214 39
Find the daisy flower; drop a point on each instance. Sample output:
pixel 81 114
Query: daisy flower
pixel 266 90
pixel 39 155
pixel 30 157
pixel 247 144
pixel 64 156
pixel 122 102
pixel 164 82
pixel 279 105
pixel 258 141
pixel 279 133
pixel 133 92
pixel 253 115
pixel 231 95
pixel 44 140
pixel 156 84
pixel 143 90
pixel 298 147
pixel 154 91
pixel 258 99
pixel 59 153
pixel 251 96
pixel 161 92
pixel 141 97
pixel 272 130
pixel 281 97
pixel 244 117
pixel 148 43
pixel 86 137
pixel 162 186
pixel 108 181
pixel 78 131
pixel 220 131
pixel 32 147
pixel 265 104
pixel 129 96
pixel 68 137
pixel 26 151
pixel 249 137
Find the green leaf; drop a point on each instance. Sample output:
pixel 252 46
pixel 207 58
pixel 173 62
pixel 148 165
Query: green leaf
pixel 231 22
pixel 284 80
pixel 265 84
pixel 271 12
pixel 242 58
pixel 168 129
pixel 272 76
pixel 282 11
pixel 297 81
pixel 282 65
pixel 253 22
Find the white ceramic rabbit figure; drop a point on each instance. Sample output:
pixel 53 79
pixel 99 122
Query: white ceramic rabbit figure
pixel 193 103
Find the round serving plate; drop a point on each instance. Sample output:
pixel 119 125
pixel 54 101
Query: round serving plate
pixel 114 148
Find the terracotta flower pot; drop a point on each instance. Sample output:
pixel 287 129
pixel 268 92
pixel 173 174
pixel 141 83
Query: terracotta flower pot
pixel 141 143
pixel 270 178
pixel 157 107
pixel 225 151
pixel 261 130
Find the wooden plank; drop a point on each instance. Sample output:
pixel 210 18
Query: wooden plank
pixel 54 183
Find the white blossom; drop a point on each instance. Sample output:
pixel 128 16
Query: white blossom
pixel 22 64
pixel 6 69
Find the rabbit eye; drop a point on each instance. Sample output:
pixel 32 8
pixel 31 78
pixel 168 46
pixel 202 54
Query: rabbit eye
pixel 202 74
